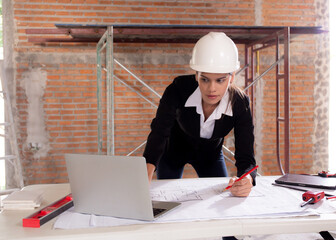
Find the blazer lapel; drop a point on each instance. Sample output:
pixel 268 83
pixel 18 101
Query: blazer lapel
pixel 189 121
pixel 222 126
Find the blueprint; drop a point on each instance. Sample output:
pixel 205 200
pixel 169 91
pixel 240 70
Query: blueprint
pixel 204 199
pixel 192 190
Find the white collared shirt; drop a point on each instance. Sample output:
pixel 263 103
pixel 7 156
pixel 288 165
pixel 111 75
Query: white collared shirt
pixel 207 127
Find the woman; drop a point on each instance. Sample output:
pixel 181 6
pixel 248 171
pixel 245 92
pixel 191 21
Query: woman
pixel 196 112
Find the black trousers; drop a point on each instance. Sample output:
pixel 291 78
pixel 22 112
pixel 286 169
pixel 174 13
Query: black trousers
pixel 165 170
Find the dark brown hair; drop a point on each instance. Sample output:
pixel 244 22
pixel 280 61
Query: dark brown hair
pixel 234 92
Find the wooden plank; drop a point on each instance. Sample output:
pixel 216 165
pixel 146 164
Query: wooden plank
pixel 162 33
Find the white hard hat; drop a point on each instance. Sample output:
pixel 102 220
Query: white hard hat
pixel 215 53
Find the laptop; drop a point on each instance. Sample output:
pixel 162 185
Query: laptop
pixel 307 181
pixel 114 186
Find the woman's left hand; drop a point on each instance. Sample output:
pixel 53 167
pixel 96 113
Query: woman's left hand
pixel 241 188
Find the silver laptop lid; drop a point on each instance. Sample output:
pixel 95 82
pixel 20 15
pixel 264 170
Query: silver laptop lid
pixel 110 185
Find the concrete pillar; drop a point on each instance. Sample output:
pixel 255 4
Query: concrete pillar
pixel 8 72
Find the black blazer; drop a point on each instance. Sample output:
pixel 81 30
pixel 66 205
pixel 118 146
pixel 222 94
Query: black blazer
pixel 175 131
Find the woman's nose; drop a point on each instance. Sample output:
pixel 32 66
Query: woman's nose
pixel 212 86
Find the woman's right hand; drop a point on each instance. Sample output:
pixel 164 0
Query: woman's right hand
pixel 241 188
pixel 150 171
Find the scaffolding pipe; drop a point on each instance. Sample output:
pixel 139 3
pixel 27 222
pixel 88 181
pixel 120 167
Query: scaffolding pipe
pixel 100 46
pixel 263 74
pixel 134 90
pixel 137 148
pixel 228 150
pixel 137 92
pixel 277 69
pixel 102 40
pixel 228 159
pixel 99 101
pixel 242 69
pixel 110 92
pixel 103 46
pixel 286 99
pixel 143 83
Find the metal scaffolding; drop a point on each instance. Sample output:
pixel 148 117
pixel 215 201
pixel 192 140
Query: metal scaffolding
pixel 281 36
pixel 254 38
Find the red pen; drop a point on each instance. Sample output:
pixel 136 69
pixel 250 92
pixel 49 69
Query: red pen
pixel 242 176
pixel 331 197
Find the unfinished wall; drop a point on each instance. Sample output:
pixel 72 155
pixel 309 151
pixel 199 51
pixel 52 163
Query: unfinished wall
pixel 69 115
pixel 321 90
pixel 303 53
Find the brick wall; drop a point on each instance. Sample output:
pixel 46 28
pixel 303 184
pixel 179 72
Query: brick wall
pixel 69 98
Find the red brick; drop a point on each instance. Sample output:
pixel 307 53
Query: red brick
pixel 70 104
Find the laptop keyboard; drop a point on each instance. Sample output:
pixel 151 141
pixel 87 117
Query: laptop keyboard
pixel 157 211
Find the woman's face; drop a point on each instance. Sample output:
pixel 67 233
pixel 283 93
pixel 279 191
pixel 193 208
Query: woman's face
pixel 213 86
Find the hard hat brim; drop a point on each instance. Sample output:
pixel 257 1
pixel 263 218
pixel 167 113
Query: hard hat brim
pixel 215 69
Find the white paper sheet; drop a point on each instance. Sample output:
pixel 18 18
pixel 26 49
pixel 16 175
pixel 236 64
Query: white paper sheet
pixel 22 200
pixel 203 199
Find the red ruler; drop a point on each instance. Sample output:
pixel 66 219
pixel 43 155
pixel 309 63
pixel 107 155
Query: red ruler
pixel 49 212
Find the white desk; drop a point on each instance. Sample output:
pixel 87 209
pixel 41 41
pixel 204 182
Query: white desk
pixel 11 225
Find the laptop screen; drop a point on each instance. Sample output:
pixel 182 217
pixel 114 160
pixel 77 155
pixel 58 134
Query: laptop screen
pixel 307 181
